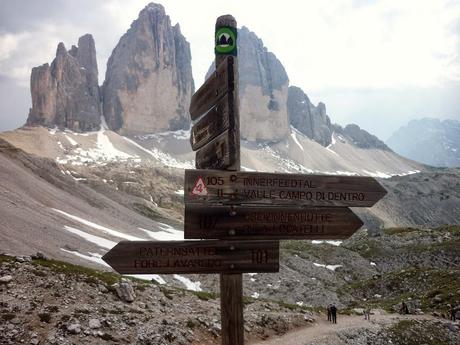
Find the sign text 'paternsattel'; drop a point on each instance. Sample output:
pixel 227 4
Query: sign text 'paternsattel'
pixel 169 257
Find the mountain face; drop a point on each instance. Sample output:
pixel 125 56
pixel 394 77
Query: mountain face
pixel 360 138
pixel 149 81
pixel 430 141
pixel 308 119
pixel 316 125
pixel 263 90
pixel 66 93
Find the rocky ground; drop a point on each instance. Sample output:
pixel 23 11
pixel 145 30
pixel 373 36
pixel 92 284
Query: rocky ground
pixel 50 302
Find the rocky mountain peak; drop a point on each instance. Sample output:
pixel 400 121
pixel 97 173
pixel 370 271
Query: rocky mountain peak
pixel 308 119
pixel 149 81
pixel 66 94
pixel 360 137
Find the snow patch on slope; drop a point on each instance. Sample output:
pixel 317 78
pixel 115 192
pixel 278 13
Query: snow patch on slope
pixel 190 285
pixel 99 241
pixel 168 233
pixel 104 229
pixel 329 267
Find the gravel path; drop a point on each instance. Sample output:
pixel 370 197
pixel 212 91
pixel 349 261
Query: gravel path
pixel 325 333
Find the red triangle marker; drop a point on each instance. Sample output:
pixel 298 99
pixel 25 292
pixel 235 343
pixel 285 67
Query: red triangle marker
pixel 199 188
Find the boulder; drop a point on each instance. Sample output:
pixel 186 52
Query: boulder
pixel 74 328
pixel 125 291
pixel 94 323
pixel 6 279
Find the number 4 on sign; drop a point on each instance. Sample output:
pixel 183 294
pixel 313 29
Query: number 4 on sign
pixel 199 188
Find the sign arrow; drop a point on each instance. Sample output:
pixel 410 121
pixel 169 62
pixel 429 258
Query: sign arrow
pixel 244 222
pixel 175 257
pixel 256 188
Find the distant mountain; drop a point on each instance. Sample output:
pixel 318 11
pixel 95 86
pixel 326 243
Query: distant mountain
pixel 149 83
pixel 429 141
pixel 147 87
pixel 66 93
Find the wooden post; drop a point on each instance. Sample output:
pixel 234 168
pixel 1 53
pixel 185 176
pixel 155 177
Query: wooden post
pixel 231 285
pixel 231 308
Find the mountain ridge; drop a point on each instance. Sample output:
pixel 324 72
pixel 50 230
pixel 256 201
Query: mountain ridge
pixel 429 140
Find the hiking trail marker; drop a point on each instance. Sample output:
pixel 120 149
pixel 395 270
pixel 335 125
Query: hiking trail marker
pixel 243 213
pixel 199 189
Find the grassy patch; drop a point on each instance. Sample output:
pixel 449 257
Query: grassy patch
pixel 147 211
pixel 90 275
pixel 399 231
pixel 204 295
pixel 414 283
pixel 6 258
pixel 411 332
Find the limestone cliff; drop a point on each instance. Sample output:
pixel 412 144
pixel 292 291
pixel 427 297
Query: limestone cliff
pixel 149 82
pixel 66 93
pixel 263 90
pixel 308 119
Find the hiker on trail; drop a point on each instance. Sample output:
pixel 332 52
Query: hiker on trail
pixel 367 313
pixel 329 315
pixel 451 312
pixel 334 313
pixel 404 309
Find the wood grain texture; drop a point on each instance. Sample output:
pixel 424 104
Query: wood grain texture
pixel 212 124
pixel 255 188
pixel 219 153
pixel 231 285
pixel 231 306
pixel 215 87
pixel 269 223
pixel 175 257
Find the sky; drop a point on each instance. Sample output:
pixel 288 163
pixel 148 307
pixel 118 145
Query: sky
pixel 376 63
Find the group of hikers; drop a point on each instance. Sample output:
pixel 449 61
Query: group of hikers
pixel 404 310
pixel 332 313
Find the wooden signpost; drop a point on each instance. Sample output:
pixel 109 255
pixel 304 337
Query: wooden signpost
pixel 275 223
pixel 246 213
pixel 224 187
pixel 171 257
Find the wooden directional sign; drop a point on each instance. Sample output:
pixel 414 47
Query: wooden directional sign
pixel 216 86
pixel 238 222
pixel 168 257
pixel 216 134
pixel 215 122
pixel 217 154
pixel 225 187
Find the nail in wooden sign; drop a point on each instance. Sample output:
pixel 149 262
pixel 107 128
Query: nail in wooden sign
pixel 269 223
pixel 255 188
pixel 209 256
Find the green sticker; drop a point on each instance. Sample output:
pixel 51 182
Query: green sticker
pixel 226 41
